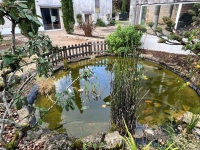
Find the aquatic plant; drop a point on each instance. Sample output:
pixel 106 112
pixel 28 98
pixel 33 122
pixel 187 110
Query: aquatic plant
pixel 125 88
pixel 65 62
pixel 192 123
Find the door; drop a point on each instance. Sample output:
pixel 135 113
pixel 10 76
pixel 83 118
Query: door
pixel 51 19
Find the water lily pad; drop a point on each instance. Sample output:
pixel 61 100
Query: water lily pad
pixel 142 121
pixel 107 103
pixel 186 108
pixel 80 90
pixel 169 111
pixel 147 111
pixel 148 101
pixel 103 106
pixel 84 107
pixel 157 105
pixel 148 119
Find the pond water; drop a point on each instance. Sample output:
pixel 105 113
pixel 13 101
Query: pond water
pixel 166 96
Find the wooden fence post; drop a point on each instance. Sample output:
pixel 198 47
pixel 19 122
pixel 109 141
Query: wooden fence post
pixel 90 48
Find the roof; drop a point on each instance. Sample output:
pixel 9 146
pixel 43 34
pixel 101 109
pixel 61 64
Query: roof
pixel 50 5
pixel 163 1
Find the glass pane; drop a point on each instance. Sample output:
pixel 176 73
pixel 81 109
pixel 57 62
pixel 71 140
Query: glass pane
pixel 46 17
pixel 97 9
pixel 55 18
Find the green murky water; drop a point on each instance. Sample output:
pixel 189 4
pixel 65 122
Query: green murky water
pixel 165 96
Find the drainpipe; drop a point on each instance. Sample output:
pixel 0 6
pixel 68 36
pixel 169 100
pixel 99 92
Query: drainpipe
pixel 132 12
pixel 170 10
pixel 156 16
pixel 178 15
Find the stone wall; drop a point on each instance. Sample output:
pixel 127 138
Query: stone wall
pixel 164 11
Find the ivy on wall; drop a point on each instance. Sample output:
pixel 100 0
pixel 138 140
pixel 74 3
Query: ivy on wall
pixel 68 15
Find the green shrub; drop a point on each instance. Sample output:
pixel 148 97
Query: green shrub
pixel 123 40
pixel 79 19
pixel 100 23
pixel 112 22
pixel 1 37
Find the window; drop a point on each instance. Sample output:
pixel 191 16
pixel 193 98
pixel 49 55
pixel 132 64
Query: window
pixel 97 8
pixel 50 17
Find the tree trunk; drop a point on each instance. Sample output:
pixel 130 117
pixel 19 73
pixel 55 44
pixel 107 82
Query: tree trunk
pixel 156 16
pixel 13 37
pixel 132 12
pixel 170 10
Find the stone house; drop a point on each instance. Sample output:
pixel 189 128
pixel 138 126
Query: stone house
pixel 51 13
pixel 164 11
pixel 173 8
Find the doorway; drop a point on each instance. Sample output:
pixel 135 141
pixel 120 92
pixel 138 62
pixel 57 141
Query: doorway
pixel 51 18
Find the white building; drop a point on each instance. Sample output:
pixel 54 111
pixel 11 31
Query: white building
pixel 51 13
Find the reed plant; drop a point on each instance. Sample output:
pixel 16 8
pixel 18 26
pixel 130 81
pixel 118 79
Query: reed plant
pixel 125 87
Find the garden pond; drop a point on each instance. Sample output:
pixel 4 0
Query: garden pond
pixel 168 96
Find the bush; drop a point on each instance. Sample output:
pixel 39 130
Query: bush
pixel 79 19
pixel 100 23
pixel 88 28
pixel 123 40
pixel 1 37
pixel 112 22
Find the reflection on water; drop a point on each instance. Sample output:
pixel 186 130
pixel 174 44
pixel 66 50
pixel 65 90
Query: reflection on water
pixel 89 116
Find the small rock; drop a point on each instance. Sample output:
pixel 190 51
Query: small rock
pixel 2 107
pixel 23 116
pixel 139 133
pixel 113 140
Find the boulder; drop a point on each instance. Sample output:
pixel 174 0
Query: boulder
pixel 96 138
pixel 156 134
pixel 57 141
pixel 113 140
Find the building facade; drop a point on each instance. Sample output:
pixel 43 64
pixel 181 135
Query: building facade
pixel 51 13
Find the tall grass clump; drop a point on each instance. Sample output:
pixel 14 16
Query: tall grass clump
pixel 125 87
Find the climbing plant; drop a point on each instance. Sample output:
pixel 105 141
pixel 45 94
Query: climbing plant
pixel 68 15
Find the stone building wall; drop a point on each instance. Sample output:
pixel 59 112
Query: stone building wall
pixel 164 11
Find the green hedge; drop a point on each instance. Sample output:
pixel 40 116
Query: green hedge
pixel 68 15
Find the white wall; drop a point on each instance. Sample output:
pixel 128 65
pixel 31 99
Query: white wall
pixel 88 6
pixel 47 4
pixel 150 42
pixel 105 8
pixel 6 28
